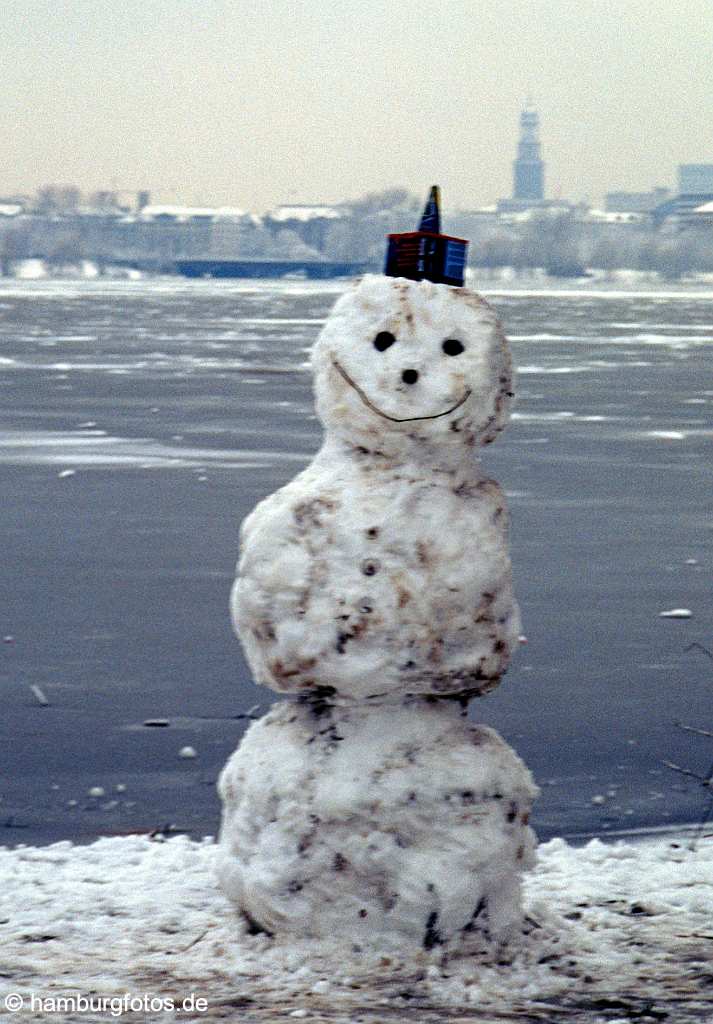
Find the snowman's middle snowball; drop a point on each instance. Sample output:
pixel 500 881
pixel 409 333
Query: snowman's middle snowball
pixel 366 590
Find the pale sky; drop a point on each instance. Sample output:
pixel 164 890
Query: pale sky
pixel 252 103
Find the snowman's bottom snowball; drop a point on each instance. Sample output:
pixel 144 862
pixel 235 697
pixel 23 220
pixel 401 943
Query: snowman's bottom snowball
pixel 380 828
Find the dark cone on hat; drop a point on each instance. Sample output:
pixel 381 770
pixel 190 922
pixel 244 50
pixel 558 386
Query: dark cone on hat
pixel 426 254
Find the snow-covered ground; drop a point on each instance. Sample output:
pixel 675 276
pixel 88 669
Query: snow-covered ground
pixel 613 933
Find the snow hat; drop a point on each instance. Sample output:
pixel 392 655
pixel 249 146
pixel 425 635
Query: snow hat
pixel 426 254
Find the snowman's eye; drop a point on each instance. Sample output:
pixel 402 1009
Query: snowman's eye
pixel 452 347
pixel 383 340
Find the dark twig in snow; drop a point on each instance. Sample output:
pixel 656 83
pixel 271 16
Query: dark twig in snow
pixel 162 832
pixel 708 812
pixel 707 782
pixel 184 949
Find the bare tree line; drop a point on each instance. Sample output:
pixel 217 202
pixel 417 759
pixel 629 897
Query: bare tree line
pixel 62 228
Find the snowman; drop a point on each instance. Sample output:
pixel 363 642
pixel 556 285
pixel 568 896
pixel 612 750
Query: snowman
pixel 375 590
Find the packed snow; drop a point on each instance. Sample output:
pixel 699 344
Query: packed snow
pixel 383 567
pixel 374 582
pixel 612 933
pixel 388 827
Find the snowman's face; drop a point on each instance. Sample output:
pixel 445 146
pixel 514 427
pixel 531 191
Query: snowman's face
pixel 400 356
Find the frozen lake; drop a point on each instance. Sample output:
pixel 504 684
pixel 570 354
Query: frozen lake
pixel 140 421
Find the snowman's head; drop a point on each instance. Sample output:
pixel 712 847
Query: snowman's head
pixel 412 359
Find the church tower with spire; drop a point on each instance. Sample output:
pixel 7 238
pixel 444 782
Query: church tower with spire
pixel 528 167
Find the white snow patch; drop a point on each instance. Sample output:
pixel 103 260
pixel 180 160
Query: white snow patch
pixel 667 435
pixel 30 269
pixel 627 922
pixel 534 368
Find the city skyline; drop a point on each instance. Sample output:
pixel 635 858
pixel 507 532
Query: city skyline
pixel 223 104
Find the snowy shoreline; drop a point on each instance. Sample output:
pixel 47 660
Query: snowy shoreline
pixel 614 932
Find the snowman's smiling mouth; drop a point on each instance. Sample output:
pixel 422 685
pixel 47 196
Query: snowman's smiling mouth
pixel 396 419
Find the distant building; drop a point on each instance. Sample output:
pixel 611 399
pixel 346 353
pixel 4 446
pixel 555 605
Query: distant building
pixel 695 179
pixel 304 212
pixel 164 232
pixel 9 209
pixel 310 222
pixel 106 202
pixel 695 188
pixel 166 213
pixel 613 217
pixel 528 167
pixel 702 216
pixel 635 202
